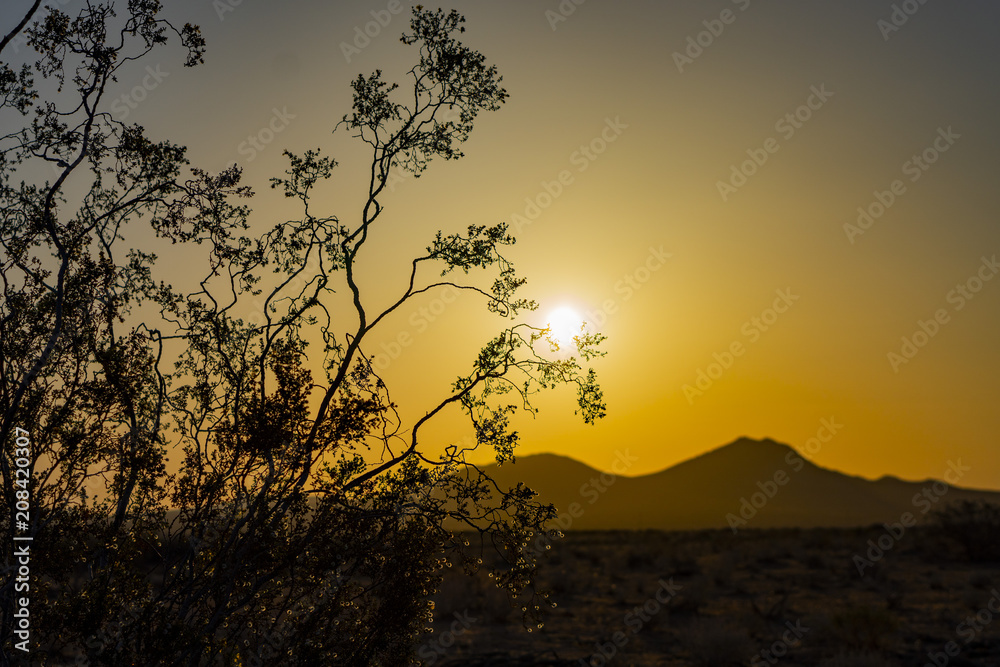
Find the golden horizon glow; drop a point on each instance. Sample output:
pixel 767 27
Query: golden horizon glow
pixel 606 159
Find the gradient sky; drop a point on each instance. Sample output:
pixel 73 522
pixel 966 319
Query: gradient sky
pixel 681 129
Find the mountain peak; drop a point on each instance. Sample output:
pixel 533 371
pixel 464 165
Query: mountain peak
pixel 746 441
pixel 744 454
pixel 783 487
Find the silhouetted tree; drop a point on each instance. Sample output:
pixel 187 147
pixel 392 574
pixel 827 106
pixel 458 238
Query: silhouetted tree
pixel 302 519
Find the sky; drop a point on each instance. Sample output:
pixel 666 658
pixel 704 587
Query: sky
pixel 783 215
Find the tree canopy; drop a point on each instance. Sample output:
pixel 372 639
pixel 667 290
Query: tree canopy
pixel 298 514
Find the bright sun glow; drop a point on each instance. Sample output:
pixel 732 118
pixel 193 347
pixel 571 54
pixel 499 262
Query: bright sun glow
pixel 565 323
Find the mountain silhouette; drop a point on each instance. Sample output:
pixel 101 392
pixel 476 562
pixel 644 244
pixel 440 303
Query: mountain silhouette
pixel 747 484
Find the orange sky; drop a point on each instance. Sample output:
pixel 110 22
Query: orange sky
pixel 698 170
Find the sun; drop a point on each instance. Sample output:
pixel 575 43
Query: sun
pixel 564 323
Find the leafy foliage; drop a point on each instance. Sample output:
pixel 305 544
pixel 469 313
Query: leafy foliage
pixel 303 518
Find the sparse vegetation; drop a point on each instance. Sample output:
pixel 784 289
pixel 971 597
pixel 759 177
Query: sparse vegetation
pixel 862 659
pixel 863 628
pixel 726 617
pixel 973 525
pixel 218 473
pixel 716 642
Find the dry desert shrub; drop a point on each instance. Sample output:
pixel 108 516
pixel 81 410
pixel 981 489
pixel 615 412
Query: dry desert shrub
pixel 972 599
pixel 641 559
pixel 973 525
pixel 459 592
pixel 692 598
pixel 720 567
pixel 863 628
pixel 714 642
pixel 858 659
pixel 561 580
pixel 981 580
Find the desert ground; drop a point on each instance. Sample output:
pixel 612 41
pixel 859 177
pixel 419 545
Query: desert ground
pixel 714 598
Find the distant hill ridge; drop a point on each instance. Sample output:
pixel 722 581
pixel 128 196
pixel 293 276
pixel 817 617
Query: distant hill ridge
pixel 745 484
